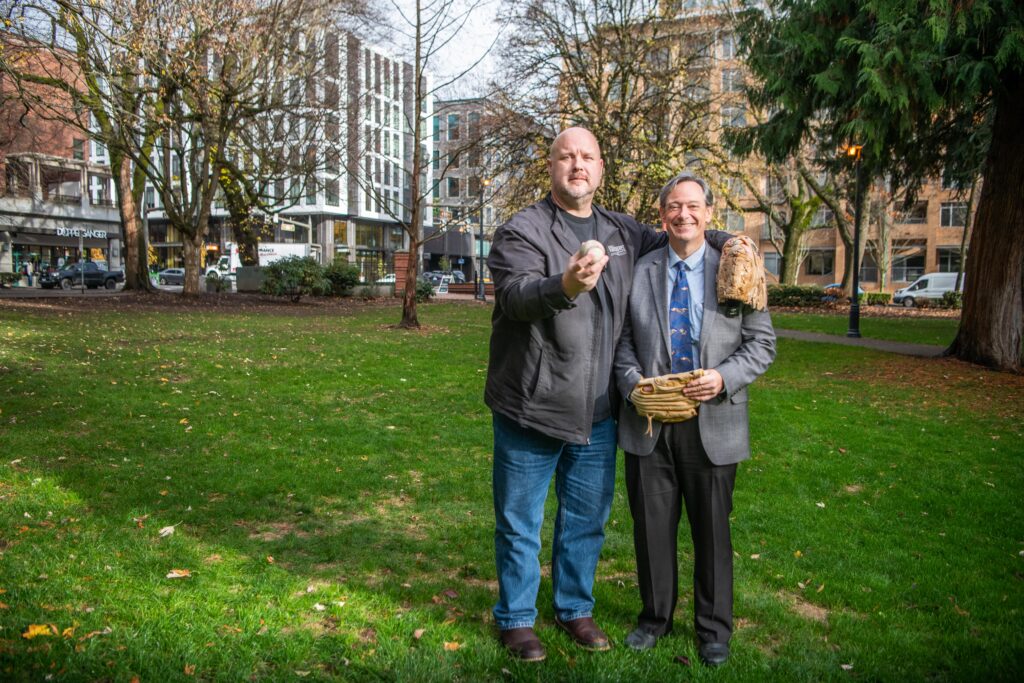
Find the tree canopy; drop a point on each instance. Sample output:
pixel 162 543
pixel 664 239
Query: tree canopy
pixel 928 87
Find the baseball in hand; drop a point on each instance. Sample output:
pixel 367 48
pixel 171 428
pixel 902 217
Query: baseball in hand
pixel 592 247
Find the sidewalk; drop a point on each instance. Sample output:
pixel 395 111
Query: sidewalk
pixel 922 350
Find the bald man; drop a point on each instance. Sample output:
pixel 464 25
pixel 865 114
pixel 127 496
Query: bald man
pixel 557 318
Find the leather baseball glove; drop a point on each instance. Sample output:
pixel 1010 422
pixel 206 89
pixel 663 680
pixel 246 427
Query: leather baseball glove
pixel 741 279
pixel 661 398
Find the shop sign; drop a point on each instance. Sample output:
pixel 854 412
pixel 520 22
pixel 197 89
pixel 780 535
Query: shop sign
pixel 82 232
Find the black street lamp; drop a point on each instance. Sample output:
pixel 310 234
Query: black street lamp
pixel 481 292
pixel 854 331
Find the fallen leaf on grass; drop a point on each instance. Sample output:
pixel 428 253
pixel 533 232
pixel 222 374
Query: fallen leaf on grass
pixel 93 634
pixel 756 556
pixel 4 605
pixel 798 554
pixel 319 608
pixel 452 646
pixel 68 633
pixel 846 667
pixel 270 559
pixel 167 531
pixel 190 669
pixel 681 659
pixel 418 633
pixel 449 593
pixel 35 630
pixel 178 574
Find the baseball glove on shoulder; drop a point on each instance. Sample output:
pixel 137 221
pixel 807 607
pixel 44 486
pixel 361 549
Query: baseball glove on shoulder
pixel 661 398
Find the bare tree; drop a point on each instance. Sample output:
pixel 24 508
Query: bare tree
pixel 616 67
pixel 424 29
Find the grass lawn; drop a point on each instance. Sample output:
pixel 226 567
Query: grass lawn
pixel 916 330
pixel 327 482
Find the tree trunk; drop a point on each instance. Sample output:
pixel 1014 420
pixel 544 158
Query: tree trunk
pixel 192 248
pixel 136 273
pixel 992 322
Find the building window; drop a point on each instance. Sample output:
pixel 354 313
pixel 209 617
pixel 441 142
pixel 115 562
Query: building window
pixel 78 149
pixel 948 259
pixel 734 117
pixel 474 126
pixel 474 186
pixel 453 187
pixel 332 192
pixel 820 262
pixel 437 129
pixel 733 220
pixel 453 160
pixel 953 214
pixel 732 80
pixel 950 183
pixel 453 126
pixel 437 189
pixel 916 214
pixel 436 160
pixel 822 218
pixel 772 262
pixel 727 46
pixel 869 268
pixel 908 267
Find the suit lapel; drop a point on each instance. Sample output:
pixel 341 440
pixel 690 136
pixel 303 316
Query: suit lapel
pixel 711 259
pixel 657 273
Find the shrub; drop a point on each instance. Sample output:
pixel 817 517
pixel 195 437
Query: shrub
pixel 923 303
pixel 953 300
pixel 216 283
pixel 795 295
pixel 343 277
pixel 294 277
pixel 879 298
pixel 366 292
pixel 424 291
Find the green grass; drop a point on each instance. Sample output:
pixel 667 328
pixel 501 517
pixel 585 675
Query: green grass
pixel 329 479
pixel 936 331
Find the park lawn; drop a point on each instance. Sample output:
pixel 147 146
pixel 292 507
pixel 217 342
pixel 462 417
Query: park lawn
pixel 914 330
pixel 328 482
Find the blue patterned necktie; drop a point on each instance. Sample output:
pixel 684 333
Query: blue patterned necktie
pixel 679 321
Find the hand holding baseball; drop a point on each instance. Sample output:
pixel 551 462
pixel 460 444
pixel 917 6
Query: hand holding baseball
pixel 584 268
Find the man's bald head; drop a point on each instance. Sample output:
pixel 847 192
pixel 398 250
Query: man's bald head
pixel 576 168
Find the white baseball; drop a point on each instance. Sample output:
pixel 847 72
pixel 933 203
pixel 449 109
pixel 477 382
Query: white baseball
pixel 593 247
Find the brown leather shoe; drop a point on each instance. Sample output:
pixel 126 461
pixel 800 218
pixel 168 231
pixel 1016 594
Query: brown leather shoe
pixel 586 633
pixel 523 644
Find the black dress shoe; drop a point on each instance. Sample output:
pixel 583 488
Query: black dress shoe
pixel 641 640
pixel 523 643
pixel 586 633
pixel 714 654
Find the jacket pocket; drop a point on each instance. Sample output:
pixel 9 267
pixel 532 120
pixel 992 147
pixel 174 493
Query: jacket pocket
pixel 739 397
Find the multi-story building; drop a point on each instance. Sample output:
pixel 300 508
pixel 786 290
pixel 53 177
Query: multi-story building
pixel 353 206
pixel 56 190
pixel 464 186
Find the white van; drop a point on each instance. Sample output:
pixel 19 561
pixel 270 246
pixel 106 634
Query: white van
pixel 930 286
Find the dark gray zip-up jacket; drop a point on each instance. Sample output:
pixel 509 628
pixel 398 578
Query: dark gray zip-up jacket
pixel 543 355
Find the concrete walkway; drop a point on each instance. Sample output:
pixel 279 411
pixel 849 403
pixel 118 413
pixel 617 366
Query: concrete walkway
pixel 922 350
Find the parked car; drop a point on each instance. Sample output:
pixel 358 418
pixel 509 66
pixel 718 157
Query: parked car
pixel 76 274
pixel 171 276
pixel 836 285
pixel 388 279
pixel 930 286
pixel 432 276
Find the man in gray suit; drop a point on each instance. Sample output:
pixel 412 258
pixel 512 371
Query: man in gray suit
pixel 674 324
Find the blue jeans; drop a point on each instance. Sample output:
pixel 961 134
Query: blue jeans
pixel 524 462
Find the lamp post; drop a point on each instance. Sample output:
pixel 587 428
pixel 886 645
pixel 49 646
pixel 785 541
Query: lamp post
pixel 146 208
pixel 854 331
pixel 481 292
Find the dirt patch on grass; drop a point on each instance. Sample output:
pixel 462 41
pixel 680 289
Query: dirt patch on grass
pixel 963 386
pixel 804 609
pixel 275 531
pixel 871 311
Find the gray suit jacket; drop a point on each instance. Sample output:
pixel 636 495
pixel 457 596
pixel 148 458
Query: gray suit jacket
pixel 741 348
